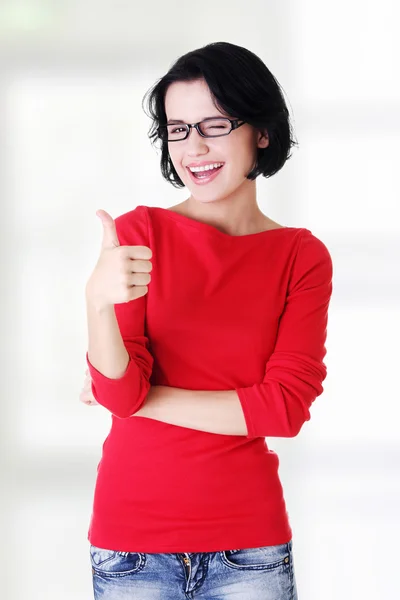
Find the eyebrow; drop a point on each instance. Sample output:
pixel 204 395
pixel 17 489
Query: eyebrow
pixel 171 121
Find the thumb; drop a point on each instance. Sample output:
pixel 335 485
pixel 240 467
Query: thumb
pixel 110 237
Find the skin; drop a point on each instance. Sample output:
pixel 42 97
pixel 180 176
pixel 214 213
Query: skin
pixel 229 202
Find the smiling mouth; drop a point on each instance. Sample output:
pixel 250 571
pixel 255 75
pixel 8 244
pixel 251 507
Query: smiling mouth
pixel 205 175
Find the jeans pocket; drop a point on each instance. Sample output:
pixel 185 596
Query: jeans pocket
pixel 263 557
pixel 113 563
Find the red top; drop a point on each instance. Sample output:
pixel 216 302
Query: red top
pixel 247 313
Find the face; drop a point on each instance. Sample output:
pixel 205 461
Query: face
pixel 191 102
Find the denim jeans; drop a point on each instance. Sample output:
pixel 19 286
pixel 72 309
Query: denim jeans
pixel 263 573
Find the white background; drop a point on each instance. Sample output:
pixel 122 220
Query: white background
pixel 73 139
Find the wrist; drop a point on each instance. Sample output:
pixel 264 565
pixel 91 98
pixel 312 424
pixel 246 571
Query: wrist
pixel 94 302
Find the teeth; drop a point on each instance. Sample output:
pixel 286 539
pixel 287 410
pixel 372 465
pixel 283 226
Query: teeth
pixel 205 168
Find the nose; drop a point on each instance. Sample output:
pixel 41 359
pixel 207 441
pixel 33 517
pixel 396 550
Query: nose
pixel 196 143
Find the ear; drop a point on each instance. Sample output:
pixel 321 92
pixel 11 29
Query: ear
pixel 262 139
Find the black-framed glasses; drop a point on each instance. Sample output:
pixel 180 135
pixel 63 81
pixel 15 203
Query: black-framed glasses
pixel 211 127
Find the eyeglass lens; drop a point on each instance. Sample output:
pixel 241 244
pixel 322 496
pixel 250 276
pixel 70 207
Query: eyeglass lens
pixel 210 128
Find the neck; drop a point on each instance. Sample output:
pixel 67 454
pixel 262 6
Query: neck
pixel 236 214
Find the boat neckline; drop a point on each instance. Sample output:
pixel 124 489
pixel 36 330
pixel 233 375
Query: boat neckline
pixel 210 228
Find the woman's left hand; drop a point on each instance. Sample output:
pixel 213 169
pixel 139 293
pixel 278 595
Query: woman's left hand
pixel 86 395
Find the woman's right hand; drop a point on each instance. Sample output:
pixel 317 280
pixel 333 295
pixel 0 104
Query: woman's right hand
pixel 122 273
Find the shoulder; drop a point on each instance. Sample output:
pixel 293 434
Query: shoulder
pixel 139 212
pixel 132 226
pixel 312 263
pixel 311 247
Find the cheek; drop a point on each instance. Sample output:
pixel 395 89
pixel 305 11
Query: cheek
pixel 177 159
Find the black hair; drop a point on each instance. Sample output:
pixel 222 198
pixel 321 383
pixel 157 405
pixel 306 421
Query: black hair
pixel 242 86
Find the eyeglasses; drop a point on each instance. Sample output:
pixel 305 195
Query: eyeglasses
pixel 212 127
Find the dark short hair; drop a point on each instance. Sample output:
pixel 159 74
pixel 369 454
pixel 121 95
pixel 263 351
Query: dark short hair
pixel 241 86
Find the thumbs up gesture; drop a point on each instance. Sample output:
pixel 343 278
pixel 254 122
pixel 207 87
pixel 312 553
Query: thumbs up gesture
pixel 122 273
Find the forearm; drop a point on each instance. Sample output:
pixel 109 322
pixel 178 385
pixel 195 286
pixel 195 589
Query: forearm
pixel 106 348
pixel 210 411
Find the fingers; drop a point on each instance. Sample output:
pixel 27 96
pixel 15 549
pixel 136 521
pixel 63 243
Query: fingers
pixel 86 395
pixel 87 399
pixel 87 385
pixel 110 237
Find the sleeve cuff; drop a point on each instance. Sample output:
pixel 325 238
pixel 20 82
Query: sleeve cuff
pixel 95 374
pixel 241 392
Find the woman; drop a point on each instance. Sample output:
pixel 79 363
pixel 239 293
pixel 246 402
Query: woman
pixel 221 346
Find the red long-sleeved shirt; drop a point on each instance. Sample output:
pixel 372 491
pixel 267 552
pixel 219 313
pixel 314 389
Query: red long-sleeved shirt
pixel 246 313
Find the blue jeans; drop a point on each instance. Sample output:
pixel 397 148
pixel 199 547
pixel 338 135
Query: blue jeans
pixel 264 573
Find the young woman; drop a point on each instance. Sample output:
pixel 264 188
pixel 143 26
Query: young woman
pixel 220 347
